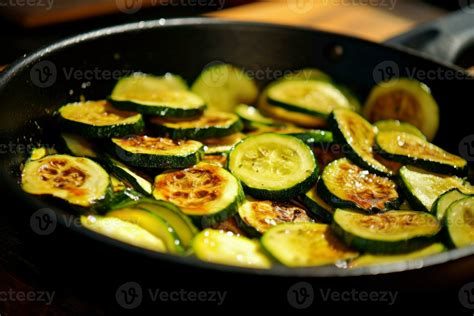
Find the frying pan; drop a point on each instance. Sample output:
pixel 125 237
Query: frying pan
pixel 82 66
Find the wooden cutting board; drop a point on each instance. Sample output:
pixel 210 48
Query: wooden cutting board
pixel 379 21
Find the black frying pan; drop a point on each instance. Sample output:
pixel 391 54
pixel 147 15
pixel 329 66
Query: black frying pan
pixel 38 83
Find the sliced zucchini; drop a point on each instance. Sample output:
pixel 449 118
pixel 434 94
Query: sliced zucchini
pixel 221 145
pixel 217 159
pixel 317 205
pixel 357 136
pixel 152 223
pixel 256 217
pixel 422 188
pixel 313 137
pixel 279 113
pixel 224 248
pixel 98 119
pixel 117 184
pixel 157 96
pixel 389 232
pixel 407 100
pixel 273 166
pixel 327 153
pixel 344 184
pixel 158 152
pixel 123 231
pixel 138 182
pixel 210 124
pixel 206 192
pixel 224 86
pixel 460 222
pixel 78 180
pixel 413 150
pixel 180 223
pixel 253 118
pixel 444 201
pixel 79 146
pixel 311 97
pixel 377 259
pixel 305 244
pixel 397 126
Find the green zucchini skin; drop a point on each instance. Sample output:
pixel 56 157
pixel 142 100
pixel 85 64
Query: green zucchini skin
pixel 92 131
pixel 382 247
pixel 317 210
pixel 156 161
pixel 161 111
pixel 350 153
pixel 198 133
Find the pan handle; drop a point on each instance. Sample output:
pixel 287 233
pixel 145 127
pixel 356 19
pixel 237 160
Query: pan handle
pixel 443 39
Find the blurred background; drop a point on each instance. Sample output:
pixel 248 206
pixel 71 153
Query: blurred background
pixel 28 24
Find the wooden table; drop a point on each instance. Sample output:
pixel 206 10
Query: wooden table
pixel 376 22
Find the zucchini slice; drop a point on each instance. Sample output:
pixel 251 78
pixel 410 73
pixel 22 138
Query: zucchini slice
pixel 256 217
pixel 206 192
pixel 158 152
pixel 221 145
pixel 273 166
pixel 123 231
pixel 357 136
pixel 78 180
pixel 78 146
pixel 412 150
pixel 224 86
pixel 305 244
pixel 253 118
pixel 444 201
pixel 317 206
pixel 230 225
pixel 395 231
pixel 221 247
pixel 152 223
pixel 158 96
pixel 281 114
pixel 460 222
pixel 311 97
pixel 397 126
pixel 377 259
pixel 344 184
pixel 180 223
pixel 210 124
pixel 41 152
pixel 422 188
pixel 406 100
pixel 98 119
pixel 123 172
